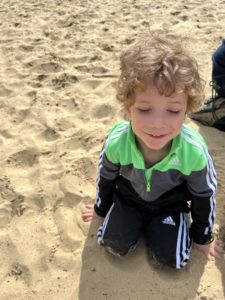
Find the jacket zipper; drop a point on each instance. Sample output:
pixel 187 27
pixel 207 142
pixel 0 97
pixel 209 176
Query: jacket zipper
pixel 148 186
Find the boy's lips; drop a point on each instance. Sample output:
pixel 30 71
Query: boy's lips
pixel 156 136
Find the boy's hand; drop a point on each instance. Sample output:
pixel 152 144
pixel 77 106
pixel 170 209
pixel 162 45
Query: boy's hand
pixel 89 214
pixel 212 250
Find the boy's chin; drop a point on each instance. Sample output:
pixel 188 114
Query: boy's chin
pixel 158 146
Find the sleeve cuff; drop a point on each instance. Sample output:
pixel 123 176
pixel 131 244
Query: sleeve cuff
pixel 203 240
pixel 99 212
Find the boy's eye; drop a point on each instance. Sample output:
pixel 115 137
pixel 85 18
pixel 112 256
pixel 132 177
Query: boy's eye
pixel 144 110
pixel 175 112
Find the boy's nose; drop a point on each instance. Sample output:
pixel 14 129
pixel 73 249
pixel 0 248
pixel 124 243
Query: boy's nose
pixel 157 120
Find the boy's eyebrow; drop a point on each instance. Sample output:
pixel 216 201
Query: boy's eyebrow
pixel 176 102
pixel 169 102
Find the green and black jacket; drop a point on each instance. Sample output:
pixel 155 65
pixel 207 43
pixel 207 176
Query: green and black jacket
pixel 188 162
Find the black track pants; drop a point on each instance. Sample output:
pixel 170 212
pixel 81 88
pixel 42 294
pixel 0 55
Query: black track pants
pixel 167 234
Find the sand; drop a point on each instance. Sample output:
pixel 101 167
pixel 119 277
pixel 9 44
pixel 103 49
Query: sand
pixel 59 61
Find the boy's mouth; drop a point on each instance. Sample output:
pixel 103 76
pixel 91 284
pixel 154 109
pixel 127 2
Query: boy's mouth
pixel 157 136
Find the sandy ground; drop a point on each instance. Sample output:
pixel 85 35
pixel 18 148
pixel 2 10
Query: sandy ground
pixel 59 62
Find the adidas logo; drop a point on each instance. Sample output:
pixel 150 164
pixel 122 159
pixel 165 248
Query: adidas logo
pixel 174 161
pixel 169 221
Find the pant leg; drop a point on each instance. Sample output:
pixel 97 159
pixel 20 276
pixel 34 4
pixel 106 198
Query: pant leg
pixel 167 238
pixel 218 68
pixel 121 228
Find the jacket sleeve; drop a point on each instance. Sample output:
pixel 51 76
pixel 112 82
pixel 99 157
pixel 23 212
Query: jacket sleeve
pixel 202 185
pixel 105 184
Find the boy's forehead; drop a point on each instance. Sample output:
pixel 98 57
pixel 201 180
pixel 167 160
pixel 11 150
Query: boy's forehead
pixel 152 94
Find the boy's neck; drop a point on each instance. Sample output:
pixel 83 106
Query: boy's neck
pixel 153 156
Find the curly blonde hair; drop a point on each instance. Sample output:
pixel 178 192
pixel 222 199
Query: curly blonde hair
pixel 163 63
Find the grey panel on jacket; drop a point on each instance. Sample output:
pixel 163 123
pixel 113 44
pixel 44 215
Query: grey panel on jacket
pixel 195 184
pixel 161 182
pixel 109 171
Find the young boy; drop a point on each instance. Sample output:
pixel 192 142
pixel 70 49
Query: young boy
pixel 153 169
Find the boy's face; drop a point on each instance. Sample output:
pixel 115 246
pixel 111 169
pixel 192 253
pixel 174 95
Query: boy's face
pixel 156 119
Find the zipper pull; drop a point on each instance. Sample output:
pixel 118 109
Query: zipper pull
pixel 148 187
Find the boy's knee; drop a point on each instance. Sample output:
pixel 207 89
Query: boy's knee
pixel 116 248
pixel 171 259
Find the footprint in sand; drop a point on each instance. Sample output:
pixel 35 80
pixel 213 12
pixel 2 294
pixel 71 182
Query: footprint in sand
pixel 67 22
pixel 26 48
pixel 19 116
pixel 84 168
pixel 5 133
pixel 82 139
pixel 64 80
pixel 12 203
pixel 24 158
pixel 39 67
pixel 63 260
pixel 81 59
pixel 99 70
pixel 49 135
pixel 9 254
pixel 77 183
pixel 68 228
pixel 41 77
pixel 103 111
pixel 71 104
pixel 73 143
pixel 82 68
pixel 89 85
pixel 20 272
pixel 4 92
pixel 5 212
pixel 21 104
pixel 175 13
pixel 107 47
